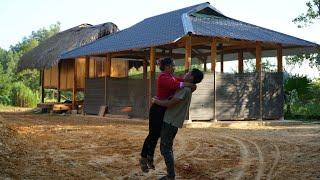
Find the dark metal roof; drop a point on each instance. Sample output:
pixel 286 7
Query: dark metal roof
pixel 231 28
pixel 201 19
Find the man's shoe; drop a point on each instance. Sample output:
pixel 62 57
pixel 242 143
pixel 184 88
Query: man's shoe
pixel 144 165
pixel 150 163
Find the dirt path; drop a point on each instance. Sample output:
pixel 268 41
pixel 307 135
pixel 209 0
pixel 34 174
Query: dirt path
pixel 65 147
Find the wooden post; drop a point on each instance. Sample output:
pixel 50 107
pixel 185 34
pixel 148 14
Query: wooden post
pixel 107 76
pixel 145 80
pixel 59 83
pixel 240 61
pixel 145 69
pixel 258 57
pixel 259 71
pixel 205 65
pixel 152 72
pixel 221 60
pixel 87 69
pixel 187 59
pixel 74 89
pixel 170 52
pixel 108 65
pixel 213 70
pixel 42 85
pixel 279 58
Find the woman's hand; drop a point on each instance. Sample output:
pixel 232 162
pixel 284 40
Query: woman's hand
pixel 153 100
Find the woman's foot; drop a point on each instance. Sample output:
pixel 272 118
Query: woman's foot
pixel 150 163
pixel 144 164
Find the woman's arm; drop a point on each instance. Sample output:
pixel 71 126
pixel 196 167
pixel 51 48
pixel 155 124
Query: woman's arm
pixel 167 81
pixel 167 103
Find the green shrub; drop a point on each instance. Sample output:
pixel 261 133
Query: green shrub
pixel 308 110
pixel 23 96
pixel 301 84
pixel 5 100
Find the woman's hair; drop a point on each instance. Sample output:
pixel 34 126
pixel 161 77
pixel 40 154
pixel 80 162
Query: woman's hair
pixel 197 76
pixel 167 61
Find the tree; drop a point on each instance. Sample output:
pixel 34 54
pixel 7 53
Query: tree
pixel 26 81
pixel 305 19
pixel 312 14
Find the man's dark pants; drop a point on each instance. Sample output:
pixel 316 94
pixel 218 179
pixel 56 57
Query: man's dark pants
pixel 156 115
pixel 168 133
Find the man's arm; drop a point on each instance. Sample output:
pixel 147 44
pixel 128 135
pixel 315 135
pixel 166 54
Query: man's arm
pixel 167 103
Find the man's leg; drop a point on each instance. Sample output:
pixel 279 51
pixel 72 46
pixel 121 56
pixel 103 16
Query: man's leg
pixel 168 134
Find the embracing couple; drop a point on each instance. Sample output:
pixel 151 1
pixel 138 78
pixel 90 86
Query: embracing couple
pixel 167 113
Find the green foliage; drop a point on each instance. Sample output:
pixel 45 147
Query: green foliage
pixel 303 20
pixel 22 88
pixel 313 12
pixel 23 96
pixel 5 87
pixel 301 84
pixel 310 110
pixel 266 65
pixel 30 77
pixel 302 98
pixel 312 58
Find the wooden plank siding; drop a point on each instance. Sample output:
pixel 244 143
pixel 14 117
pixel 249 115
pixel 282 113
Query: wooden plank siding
pixel 237 96
pixel 124 93
pixel 51 77
pixel 201 106
pixel 81 70
pixel 121 93
pixel 273 95
pixel 94 95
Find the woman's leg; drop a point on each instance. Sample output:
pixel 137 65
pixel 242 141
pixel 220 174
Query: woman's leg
pixel 156 115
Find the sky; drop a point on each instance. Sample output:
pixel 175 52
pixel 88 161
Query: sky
pixel 19 18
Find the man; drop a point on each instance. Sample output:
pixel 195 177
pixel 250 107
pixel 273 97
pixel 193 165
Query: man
pixel 176 112
pixel 167 84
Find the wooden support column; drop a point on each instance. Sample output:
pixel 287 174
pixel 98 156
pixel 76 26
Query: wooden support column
pixel 42 85
pixel 258 57
pixel 240 61
pixel 145 69
pixel 187 59
pixel 59 83
pixel 213 70
pixel 145 80
pixel 74 89
pixel 205 65
pixel 221 60
pixel 152 73
pixel 107 70
pixel 279 58
pixel 87 69
pixel 259 71
pixel 108 65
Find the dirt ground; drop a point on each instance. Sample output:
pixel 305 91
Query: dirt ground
pixel 78 147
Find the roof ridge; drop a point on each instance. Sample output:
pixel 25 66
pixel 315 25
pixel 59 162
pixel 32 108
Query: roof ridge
pixel 185 17
pixel 185 8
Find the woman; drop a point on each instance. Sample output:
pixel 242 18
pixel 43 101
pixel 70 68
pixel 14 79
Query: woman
pixel 167 85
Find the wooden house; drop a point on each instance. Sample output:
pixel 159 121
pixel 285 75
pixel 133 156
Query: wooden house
pixel 61 75
pixel 198 32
